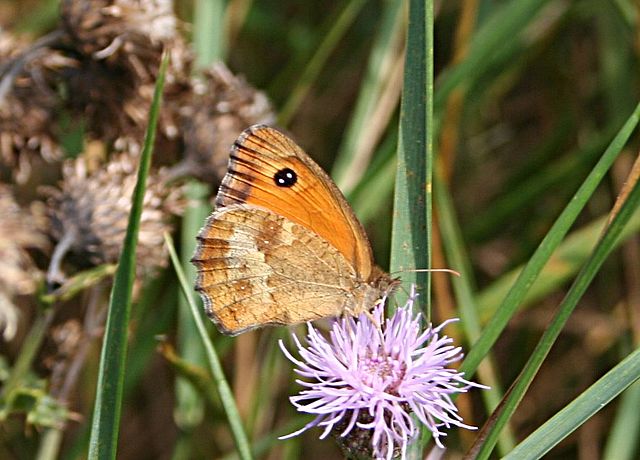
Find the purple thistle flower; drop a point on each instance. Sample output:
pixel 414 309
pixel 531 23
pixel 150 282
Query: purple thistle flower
pixel 366 381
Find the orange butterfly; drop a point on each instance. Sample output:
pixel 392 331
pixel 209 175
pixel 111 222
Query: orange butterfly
pixel 283 245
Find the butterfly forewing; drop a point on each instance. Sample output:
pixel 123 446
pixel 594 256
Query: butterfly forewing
pixel 312 200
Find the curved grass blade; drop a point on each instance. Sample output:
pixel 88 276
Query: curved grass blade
pixel 497 32
pixel 467 307
pixel 580 410
pixel 226 395
pixel 78 283
pixel 108 406
pixel 623 209
pixel 349 164
pixel 548 245
pixel 313 68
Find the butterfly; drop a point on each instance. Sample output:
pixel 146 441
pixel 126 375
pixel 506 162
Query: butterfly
pixel 283 246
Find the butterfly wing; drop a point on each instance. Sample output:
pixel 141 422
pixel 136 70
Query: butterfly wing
pixel 256 268
pixel 268 170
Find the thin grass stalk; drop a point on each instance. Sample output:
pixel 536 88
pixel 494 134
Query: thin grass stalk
pixel 349 164
pixel 319 59
pixel 27 354
pixel 224 390
pixel 465 298
pixel 103 443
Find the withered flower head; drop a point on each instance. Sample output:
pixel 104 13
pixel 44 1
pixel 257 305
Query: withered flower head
pixel 90 211
pixel 221 106
pixel 120 43
pixel 29 102
pixel 18 274
pixel 115 28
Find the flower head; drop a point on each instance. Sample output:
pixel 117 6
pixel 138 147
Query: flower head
pixel 371 374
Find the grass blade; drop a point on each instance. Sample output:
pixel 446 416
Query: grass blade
pixel 108 406
pixel 349 164
pixel 411 234
pixel 226 395
pixel 208 22
pixel 465 298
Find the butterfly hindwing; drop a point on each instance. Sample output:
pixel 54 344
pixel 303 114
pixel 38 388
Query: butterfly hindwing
pixel 256 268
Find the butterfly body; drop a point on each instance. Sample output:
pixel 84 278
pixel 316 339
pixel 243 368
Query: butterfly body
pixel 283 245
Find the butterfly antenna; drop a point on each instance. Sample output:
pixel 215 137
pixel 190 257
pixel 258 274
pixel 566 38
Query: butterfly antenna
pixel 428 270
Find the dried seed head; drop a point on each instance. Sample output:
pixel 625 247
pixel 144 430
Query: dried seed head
pixel 90 211
pixel 127 36
pixel 221 106
pixel 29 102
pixel 114 28
pixel 18 274
pixel 120 43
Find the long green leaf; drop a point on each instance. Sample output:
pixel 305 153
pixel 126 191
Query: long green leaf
pixel 411 235
pixel 108 406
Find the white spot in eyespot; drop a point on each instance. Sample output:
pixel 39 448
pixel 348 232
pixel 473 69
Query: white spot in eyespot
pixel 266 241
